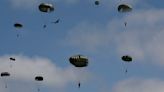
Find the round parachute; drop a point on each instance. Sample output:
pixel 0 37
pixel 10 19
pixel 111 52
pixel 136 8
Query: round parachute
pixel 127 58
pixel 12 59
pixel 18 25
pixel 124 8
pixel 79 61
pixel 39 78
pixel 97 2
pixel 5 74
pixel 46 7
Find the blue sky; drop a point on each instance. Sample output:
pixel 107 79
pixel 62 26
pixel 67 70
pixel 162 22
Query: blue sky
pixel 84 28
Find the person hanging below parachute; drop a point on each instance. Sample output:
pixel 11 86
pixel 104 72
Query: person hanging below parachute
pixel 126 59
pixel 79 61
pixel 46 8
pixel 124 8
pixel 57 21
pixel 4 75
pixel 38 79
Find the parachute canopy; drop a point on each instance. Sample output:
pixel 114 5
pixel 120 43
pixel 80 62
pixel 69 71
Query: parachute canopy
pixel 127 58
pixel 5 74
pixel 39 78
pixel 79 61
pixel 46 7
pixel 97 2
pixel 13 59
pixel 124 8
pixel 18 25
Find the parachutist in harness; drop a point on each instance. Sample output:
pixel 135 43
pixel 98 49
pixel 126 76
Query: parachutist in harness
pixel 79 85
pixel 126 71
pixel 125 23
pixel 57 21
pixel 44 26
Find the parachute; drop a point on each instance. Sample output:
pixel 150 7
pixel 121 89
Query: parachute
pixel 128 59
pixel 97 2
pixel 5 75
pixel 46 7
pixel 18 25
pixel 124 8
pixel 12 59
pixel 38 79
pixel 79 61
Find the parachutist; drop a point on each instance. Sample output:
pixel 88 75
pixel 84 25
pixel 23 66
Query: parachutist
pixel 5 85
pixel 125 23
pixel 44 26
pixel 57 21
pixel 17 35
pixel 38 90
pixel 79 85
pixel 126 71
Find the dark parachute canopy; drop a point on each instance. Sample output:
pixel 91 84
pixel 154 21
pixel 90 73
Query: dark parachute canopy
pixel 46 7
pixel 97 2
pixel 18 25
pixel 124 8
pixel 79 61
pixel 5 74
pixel 12 59
pixel 127 58
pixel 39 78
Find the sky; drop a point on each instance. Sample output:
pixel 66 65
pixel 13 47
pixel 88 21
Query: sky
pixel 96 31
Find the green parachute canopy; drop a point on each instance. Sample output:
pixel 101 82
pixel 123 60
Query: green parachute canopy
pixel 127 58
pixel 46 7
pixel 79 61
pixel 124 8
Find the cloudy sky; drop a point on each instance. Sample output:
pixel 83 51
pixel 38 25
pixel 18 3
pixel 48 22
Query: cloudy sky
pixel 97 32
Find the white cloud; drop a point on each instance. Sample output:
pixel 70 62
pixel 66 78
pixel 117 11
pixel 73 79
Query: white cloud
pixel 139 85
pixel 24 70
